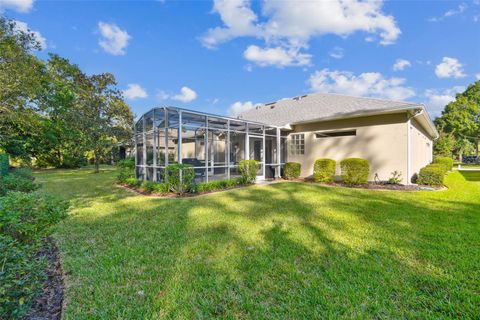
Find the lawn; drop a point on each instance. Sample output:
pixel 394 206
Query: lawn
pixel 284 251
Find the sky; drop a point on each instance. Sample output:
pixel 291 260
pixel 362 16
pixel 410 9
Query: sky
pixel 226 56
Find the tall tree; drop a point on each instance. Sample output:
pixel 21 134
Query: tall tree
pixel 106 118
pixel 21 79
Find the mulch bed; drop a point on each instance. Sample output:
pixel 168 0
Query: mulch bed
pixel 374 186
pixel 143 192
pixel 48 306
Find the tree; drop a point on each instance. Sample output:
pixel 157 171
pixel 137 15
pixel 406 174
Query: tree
pixel 444 145
pixel 21 78
pixel 105 118
pixel 461 117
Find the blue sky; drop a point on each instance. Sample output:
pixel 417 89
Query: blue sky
pixel 226 56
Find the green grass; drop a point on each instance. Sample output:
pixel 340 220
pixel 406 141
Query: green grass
pixel 284 251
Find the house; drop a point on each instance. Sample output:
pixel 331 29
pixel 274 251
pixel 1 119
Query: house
pixel 391 135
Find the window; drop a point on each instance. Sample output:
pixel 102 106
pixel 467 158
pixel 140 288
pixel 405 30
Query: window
pixel 297 144
pixel 331 134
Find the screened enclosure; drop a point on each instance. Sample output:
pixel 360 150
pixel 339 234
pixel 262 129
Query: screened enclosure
pixel 213 145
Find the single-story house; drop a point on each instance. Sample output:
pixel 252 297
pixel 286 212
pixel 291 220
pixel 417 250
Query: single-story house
pixel 391 135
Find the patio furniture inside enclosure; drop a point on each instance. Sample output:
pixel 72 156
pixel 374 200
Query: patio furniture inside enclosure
pixel 213 145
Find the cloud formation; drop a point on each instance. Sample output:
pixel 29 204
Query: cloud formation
pixel 135 91
pixel 21 6
pixel 186 95
pixel 449 68
pixel 371 84
pixel 288 26
pixel 114 40
pixel 401 64
pixel 278 56
pixel 239 107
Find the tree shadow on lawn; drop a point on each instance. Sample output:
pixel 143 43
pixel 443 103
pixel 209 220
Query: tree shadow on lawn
pixel 470 175
pixel 282 251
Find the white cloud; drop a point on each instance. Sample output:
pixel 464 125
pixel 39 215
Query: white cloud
pixel 114 40
pixel 23 27
pixel 290 25
pixel 238 108
pixel 186 95
pixel 436 100
pixel 477 76
pixel 450 13
pixel 449 68
pixel 135 91
pixel 337 53
pixel 371 84
pixel 16 5
pixel 278 56
pixel 401 64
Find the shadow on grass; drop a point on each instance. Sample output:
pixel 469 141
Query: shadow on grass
pixel 470 175
pixel 283 251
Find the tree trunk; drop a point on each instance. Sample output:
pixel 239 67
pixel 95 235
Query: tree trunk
pixel 96 162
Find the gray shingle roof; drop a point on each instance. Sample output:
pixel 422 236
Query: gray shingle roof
pixel 320 106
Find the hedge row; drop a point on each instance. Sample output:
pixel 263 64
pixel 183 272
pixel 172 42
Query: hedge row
pixel 354 171
pixel 180 179
pixel 26 217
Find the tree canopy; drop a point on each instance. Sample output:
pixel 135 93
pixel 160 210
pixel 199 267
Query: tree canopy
pixel 50 111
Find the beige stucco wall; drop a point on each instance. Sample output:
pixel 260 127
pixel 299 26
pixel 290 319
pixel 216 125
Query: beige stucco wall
pixel 421 146
pixel 382 140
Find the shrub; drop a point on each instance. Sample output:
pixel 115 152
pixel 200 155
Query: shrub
pixel 324 170
pixel 148 185
pixel 180 178
pixel 292 170
pixel 21 278
pixel 26 217
pixel 432 175
pixel 125 170
pixel 445 161
pixel 355 171
pixel 133 182
pixel 4 164
pixel 13 182
pixel 23 172
pixel 395 178
pixel 248 169
pixel 218 185
pixel 160 187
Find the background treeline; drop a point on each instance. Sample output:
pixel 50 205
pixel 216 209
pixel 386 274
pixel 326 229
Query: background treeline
pixel 459 125
pixel 51 113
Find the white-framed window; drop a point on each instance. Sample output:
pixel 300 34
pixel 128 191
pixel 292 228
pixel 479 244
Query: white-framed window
pixel 297 144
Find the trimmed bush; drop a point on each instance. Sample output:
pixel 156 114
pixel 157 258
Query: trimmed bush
pixel 148 186
pixel 445 161
pixel 355 171
pixel 218 185
pixel 4 164
pixel 324 170
pixel 432 175
pixel 248 169
pixel 160 187
pixel 180 178
pixel 23 172
pixel 292 170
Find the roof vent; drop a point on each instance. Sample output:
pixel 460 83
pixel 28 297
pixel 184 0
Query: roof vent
pixel 270 103
pixel 272 106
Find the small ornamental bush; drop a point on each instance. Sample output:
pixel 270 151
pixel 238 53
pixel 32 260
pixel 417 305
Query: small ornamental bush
pixel 133 182
pixel 180 178
pixel 218 185
pixel 292 170
pixel 148 186
pixel 432 175
pixel 23 173
pixel 324 170
pixel 445 161
pixel 4 164
pixel 160 187
pixel 125 170
pixel 248 169
pixel 395 178
pixel 355 171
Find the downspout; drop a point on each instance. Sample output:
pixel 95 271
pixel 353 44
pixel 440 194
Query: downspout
pixel 409 145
